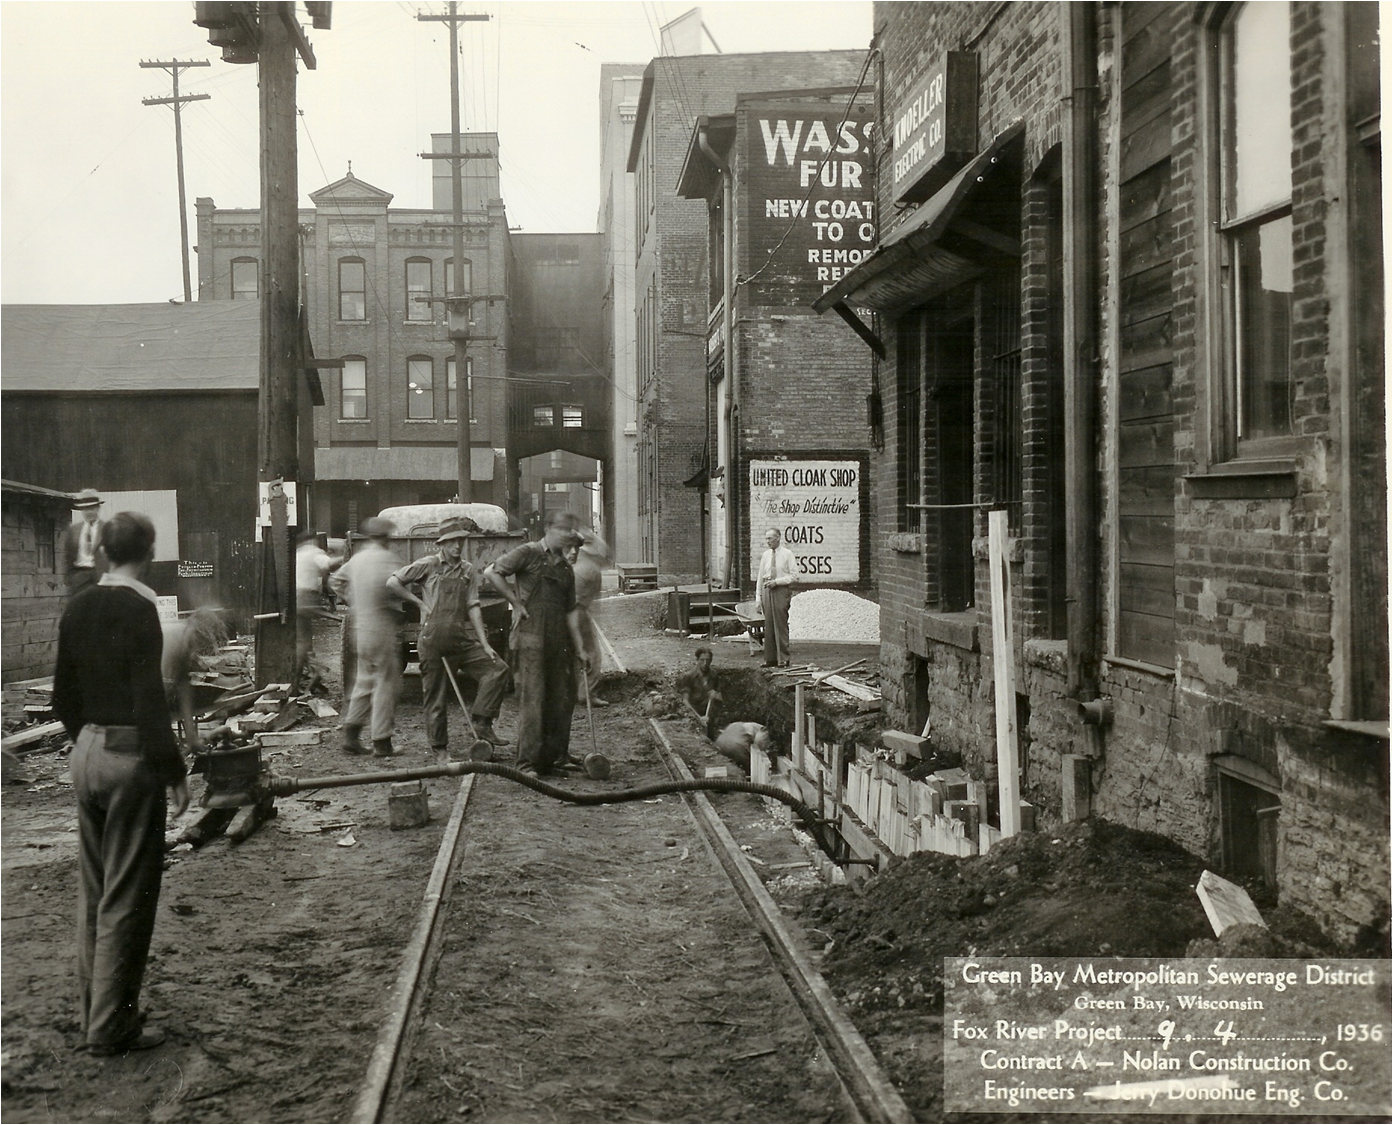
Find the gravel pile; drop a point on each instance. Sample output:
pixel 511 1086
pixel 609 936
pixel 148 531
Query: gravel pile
pixel 833 615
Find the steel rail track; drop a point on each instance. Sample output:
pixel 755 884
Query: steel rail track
pixel 865 1085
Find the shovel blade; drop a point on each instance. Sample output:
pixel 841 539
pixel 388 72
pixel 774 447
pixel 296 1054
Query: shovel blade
pixel 597 767
pixel 481 750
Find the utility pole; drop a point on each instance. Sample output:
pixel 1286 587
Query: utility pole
pixel 174 66
pixel 268 34
pixel 458 303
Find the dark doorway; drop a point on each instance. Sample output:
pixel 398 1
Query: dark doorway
pixel 1249 826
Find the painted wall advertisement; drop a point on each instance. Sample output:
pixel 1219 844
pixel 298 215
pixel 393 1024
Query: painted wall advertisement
pixel 811 206
pixel 816 505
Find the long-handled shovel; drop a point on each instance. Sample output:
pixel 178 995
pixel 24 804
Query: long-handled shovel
pixel 481 749
pixel 596 764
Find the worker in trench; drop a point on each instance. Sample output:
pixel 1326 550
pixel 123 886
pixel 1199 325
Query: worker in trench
pixel 700 691
pixel 545 642
pixel 452 629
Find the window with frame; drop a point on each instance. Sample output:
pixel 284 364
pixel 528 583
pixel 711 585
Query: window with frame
pixel 542 416
pixel 572 418
pixel 451 388
pixel 418 284
pixel 420 387
pixel 246 276
pixel 353 289
pixel 1255 225
pixel 466 277
pixel 353 388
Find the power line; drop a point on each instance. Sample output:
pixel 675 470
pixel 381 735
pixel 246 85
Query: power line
pixel 174 67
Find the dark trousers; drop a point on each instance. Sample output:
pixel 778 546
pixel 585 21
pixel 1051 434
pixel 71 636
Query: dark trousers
pixel 775 605
pixel 544 659
pixel 467 663
pixel 121 819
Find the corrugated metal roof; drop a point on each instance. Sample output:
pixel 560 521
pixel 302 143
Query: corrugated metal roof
pixel 201 346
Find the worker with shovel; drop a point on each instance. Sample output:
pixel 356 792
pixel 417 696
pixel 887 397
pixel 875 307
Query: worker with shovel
pixel 453 636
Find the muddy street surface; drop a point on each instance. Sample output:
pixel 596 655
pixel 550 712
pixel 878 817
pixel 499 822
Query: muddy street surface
pixel 594 963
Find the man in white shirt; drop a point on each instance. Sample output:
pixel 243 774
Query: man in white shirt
pixel 83 561
pixel 774 593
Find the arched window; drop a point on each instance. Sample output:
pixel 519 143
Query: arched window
pixel 418 284
pixel 353 289
pixel 420 387
pixel 353 387
pixel 245 279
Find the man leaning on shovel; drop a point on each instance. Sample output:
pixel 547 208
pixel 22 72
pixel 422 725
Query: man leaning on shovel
pixel 452 630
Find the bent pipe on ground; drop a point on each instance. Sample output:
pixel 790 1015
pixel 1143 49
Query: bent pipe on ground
pixel 282 786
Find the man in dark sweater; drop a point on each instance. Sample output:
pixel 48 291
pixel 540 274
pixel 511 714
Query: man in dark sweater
pixel 108 692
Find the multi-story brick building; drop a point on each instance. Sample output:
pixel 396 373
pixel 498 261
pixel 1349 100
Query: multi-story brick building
pixel 619 90
pixel 1130 289
pixel 788 180
pixel 671 282
pixel 390 432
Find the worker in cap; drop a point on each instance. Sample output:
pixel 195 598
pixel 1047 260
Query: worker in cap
pixel 83 560
pixel 377 638
pixel 453 634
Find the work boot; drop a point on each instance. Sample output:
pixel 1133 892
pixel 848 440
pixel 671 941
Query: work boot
pixel 484 728
pixel 382 748
pixel 351 743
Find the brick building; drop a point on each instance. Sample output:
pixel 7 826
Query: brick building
pixel 619 90
pixel 671 283
pixel 788 182
pixel 1131 301
pixel 390 433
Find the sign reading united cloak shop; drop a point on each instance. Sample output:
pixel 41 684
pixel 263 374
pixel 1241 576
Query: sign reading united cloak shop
pixel 816 505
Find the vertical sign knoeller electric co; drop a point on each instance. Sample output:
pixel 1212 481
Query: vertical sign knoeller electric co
pixel 935 128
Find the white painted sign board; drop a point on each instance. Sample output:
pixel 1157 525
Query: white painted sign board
pixel 816 505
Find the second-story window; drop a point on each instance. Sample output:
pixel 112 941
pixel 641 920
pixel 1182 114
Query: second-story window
pixel 572 418
pixel 353 388
pixel 244 279
pixel 451 390
pixel 418 285
pixel 542 416
pixel 466 278
pixel 353 289
pixel 420 387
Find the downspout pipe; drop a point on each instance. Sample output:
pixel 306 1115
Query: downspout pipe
pixel 728 344
pixel 1081 360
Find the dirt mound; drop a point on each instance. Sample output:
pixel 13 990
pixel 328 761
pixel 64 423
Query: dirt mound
pixel 1090 888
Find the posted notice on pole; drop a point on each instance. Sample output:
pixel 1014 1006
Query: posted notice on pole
pixel 1187 1036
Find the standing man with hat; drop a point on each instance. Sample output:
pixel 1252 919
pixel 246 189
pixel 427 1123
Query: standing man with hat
pixel 545 643
pixel 377 638
pixel 452 629
pixel 83 561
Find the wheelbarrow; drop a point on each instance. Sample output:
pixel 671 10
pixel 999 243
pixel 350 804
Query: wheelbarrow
pixel 752 618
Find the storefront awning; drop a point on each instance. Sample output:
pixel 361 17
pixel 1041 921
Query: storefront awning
pixel 912 264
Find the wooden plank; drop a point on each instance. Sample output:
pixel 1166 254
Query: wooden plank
pixel 1004 675
pixel 30 737
pixel 1149 243
pixel 1146 539
pixel 1145 196
pixel 1146 294
pixel 1146 637
pixel 1136 15
pixel 1147 343
pixel 1146 443
pixel 1146 48
pixel 1143 588
pixel 1145 393
pixel 1226 904
pixel 1146 490
pixel 1146 97
pixel 1148 146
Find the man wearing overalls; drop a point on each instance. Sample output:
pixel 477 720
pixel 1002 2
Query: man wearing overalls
pixel 452 628
pixel 545 642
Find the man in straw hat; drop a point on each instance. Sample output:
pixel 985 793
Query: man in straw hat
pixel 83 561
pixel 452 629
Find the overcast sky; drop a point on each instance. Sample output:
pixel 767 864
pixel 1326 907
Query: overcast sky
pixel 89 208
